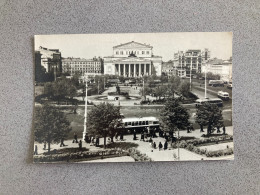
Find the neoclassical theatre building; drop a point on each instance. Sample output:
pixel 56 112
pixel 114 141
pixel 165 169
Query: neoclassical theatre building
pixel 133 59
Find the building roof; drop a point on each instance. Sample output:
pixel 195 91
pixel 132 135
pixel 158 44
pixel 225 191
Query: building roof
pixel 48 53
pixel 132 119
pixel 71 59
pixel 132 44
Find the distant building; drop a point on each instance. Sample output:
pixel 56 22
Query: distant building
pixel 168 68
pixel 133 59
pixel 50 59
pixel 90 67
pixel 188 63
pixel 221 67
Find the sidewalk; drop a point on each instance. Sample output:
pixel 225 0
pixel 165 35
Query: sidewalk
pixel 145 148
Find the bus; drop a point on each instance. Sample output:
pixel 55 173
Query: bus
pixel 215 101
pixel 140 123
pixel 216 83
pixel 223 95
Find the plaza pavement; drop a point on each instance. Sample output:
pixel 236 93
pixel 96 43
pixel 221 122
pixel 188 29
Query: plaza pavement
pixel 154 154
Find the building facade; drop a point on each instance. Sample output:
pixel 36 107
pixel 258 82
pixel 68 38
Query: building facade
pixel 188 63
pixel 133 59
pixel 50 59
pixel 220 67
pixel 168 69
pixel 90 67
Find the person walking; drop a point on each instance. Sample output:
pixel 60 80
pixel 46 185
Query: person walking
pixel 160 146
pixel 35 150
pixel 142 136
pixel 62 142
pixel 80 144
pixel 224 130
pixel 154 145
pixel 75 138
pixel 165 145
pixel 134 135
pixel 44 145
pixel 121 137
pixel 116 136
pixel 97 141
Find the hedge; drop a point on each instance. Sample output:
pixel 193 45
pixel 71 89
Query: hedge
pixel 66 157
pixel 192 145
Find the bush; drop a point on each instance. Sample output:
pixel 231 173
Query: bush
pixel 137 155
pixel 77 155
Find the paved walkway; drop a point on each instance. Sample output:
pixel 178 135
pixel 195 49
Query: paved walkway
pixel 145 148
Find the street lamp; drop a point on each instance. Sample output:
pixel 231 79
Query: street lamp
pixel 86 107
pixel 178 144
pixel 206 66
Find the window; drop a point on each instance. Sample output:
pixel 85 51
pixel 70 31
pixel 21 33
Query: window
pixel 121 52
pixel 147 52
pixel 117 52
pixel 142 52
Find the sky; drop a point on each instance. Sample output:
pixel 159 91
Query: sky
pixel 164 44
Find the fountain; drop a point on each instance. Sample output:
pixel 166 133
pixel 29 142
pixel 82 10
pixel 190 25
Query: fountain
pixel 118 95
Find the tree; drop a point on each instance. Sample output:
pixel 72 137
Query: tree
pixel 50 125
pixel 209 115
pixel 173 84
pixel 184 88
pixel 104 120
pixel 174 116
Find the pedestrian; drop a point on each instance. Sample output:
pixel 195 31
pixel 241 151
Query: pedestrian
pixel 80 144
pixel 75 138
pixel 224 130
pixel 142 136
pixel 86 138
pixel 188 129
pixel 93 141
pixel 134 135
pixel 62 142
pixel 218 129
pixel 201 128
pixel 160 146
pixel 35 150
pixel 154 145
pixel 165 145
pixel 116 136
pixel 151 140
pixel 97 141
pixel 44 146
pixel 121 137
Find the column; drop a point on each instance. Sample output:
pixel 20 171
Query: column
pixel 140 70
pixel 134 71
pixel 124 70
pixel 150 69
pixel 119 70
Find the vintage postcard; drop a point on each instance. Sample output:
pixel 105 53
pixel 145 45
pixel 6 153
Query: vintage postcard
pixel 133 97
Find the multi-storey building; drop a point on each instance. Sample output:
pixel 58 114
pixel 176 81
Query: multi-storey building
pixel 50 59
pixel 220 67
pixel 90 67
pixel 168 68
pixel 188 63
pixel 133 59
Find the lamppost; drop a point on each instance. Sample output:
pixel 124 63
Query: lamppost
pixel 206 65
pixel 86 107
pixel 178 144
pixel 190 72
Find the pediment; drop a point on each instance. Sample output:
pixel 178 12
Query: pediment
pixel 132 59
pixel 131 45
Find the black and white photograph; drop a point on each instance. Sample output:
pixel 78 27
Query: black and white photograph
pixel 133 97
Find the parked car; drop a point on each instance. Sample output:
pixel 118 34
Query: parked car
pixel 229 86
